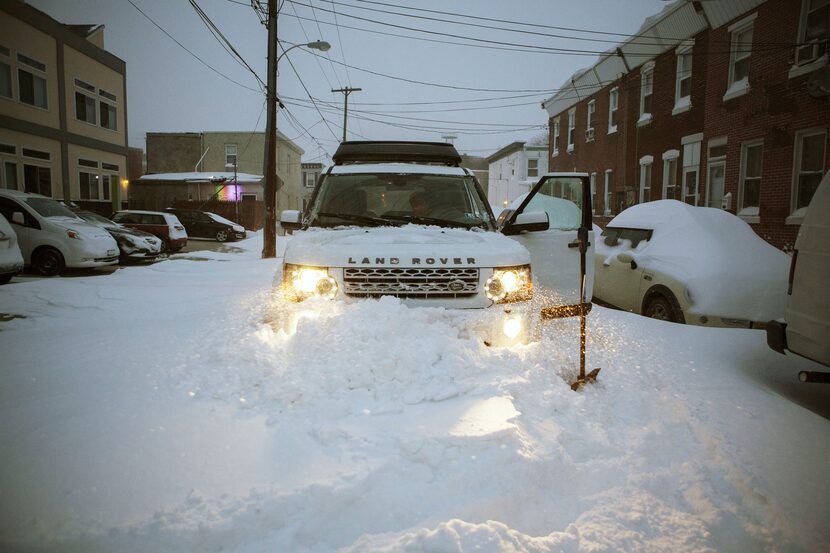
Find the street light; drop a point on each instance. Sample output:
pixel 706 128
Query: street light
pixel 270 191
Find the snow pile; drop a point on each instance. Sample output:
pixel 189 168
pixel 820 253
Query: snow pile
pixel 729 270
pixel 168 412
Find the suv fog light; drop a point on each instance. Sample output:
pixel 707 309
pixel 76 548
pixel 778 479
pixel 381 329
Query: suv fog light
pixel 512 327
pixel 326 287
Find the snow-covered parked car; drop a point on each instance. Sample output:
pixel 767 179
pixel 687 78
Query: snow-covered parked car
pixel 134 245
pixel 403 219
pixel 165 226
pixel 11 260
pixel 204 224
pixel 697 265
pixel 53 238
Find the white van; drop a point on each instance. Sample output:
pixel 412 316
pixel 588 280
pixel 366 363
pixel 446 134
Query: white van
pixel 52 238
pixel 806 330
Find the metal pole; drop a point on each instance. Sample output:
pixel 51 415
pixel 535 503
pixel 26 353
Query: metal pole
pixel 346 91
pixel 269 241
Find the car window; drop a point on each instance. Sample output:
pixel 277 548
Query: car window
pixel 152 219
pixel 614 236
pixel 129 218
pixel 561 199
pixel 9 206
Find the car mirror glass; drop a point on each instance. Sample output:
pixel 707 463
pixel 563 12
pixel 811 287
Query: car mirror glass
pixel 17 217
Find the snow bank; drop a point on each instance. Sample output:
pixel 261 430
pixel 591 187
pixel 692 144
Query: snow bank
pixel 729 270
pixel 167 412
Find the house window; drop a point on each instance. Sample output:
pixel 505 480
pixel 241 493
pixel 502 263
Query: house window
pixel 556 136
pixel 683 81
pixel 9 175
pixel 646 92
pixel 740 51
pixel 31 81
pixel 609 182
pixel 230 155
pixel 571 128
pixel 716 176
pixel 593 192
pixel 645 178
pixel 691 170
pixel 37 180
pixel 613 103
pixel 5 73
pixel 589 131
pixel 310 179
pixel 812 33
pixel 532 167
pixel 670 189
pixel 108 116
pixel 809 168
pixel 750 182
pixel 85 102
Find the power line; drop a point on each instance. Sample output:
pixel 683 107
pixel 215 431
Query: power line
pixel 183 47
pixel 306 91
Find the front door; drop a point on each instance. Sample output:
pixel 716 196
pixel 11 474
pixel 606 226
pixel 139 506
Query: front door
pixel 715 184
pixel 554 253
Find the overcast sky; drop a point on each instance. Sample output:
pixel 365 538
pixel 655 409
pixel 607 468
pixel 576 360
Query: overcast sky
pixel 169 90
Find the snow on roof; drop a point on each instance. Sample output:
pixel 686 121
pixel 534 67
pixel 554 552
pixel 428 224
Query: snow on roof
pixel 398 168
pixel 203 176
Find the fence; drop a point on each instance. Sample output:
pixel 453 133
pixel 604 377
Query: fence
pixel 248 213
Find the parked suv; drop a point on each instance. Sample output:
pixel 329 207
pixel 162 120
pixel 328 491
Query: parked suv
pixel 53 238
pixel 164 225
pixel 203 224
pixel 403 219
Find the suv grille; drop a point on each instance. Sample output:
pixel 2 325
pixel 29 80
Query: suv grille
pixel 410 283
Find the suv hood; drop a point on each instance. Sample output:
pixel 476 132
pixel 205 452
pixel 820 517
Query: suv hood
pixel 407 246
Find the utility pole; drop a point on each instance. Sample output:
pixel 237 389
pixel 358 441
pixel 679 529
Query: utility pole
pixel 346 91
pixel 269 241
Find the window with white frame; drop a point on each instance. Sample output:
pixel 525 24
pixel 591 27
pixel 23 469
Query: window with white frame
pixel 310 179
pixel 5 73
pixel 556 136
pixel 230 155
pixel 613 104
pixel 683 81
pixel 107 109
pixel 8 159
pixel 37 174
pixel 85 102
pixel 571 128
pixel 593 192
pixel 670 188
pixel 532 167
pixel 750 181
pixel 716 176
pixel 95 180
pixel 609 184
pixel 809 168
pixel 645 178
pixel 589 131
pixel 691 171
pixel 739 56
pixel 812 32
pixel 31 81
pixel 646 92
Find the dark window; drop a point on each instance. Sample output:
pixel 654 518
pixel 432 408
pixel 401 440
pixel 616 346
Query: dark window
pixel 107 95
pixel 109 166
pixel 613 236
pixel 87 163
pixel 7 149
pixel 5 80
pixel 108 116
pixel 37 180
pixel 36 154
pixel 32 88
pixel 84 108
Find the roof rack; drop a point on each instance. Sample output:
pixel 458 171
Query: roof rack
pixel 439 153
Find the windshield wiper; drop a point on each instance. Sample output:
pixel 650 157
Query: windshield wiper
pixel 377 221
pixel 419 220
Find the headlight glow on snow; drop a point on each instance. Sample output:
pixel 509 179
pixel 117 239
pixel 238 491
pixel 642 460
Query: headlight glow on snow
pixel 510 284
pixel 303 282
pixel 512 327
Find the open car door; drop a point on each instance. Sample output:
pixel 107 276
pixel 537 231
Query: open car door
pixel 554 253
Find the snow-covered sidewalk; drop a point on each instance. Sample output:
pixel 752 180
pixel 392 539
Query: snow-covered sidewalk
pixel 156 409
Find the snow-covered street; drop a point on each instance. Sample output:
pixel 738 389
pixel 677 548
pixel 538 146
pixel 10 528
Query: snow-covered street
pixel 158 409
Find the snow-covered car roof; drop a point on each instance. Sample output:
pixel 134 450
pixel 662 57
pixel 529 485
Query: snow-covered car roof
pixel 729 270
pixel 398 168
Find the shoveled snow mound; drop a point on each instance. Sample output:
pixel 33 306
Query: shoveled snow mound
pixel 158 409
pixel 729 270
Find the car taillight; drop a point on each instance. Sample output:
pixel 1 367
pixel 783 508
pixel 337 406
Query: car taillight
pixel 792 273
pixel 178 227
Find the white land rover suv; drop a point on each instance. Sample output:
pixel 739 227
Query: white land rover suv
pixel 403 219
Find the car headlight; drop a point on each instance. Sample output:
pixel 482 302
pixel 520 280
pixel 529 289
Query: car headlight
pixel 509 284
pixel 300 282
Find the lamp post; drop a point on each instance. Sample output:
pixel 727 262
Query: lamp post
pixel 269 239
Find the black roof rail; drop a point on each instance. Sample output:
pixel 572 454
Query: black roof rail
pixel 441 153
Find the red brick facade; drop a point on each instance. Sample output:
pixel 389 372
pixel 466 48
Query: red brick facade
pixel 772 112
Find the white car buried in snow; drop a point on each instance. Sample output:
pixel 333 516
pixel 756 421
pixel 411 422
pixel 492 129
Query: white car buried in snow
pixel 698 265
pixel 404 220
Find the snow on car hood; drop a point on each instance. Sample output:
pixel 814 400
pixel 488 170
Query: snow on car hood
pixel 85 229
pixel 445 246
pixel 729 270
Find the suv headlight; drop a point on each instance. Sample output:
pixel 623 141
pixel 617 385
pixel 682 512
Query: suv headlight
pixel 300 282
pixel 509 284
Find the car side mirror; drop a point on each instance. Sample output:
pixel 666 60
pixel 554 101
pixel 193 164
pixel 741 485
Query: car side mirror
pixel 528 222
pixel 17 218
pixel 626 257
pixel 291 219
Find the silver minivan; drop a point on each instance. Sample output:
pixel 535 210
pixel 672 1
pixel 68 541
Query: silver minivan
pixel 806 329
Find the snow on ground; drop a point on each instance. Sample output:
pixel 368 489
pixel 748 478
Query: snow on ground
pixel 160 408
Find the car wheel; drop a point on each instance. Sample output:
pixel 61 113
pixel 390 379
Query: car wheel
pixel 48 261
pixel 222 235
pixel 165 246
pixel 4 279
pixel 659 308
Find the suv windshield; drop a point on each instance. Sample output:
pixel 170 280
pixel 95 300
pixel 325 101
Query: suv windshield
pixel 49 208
pixel 395 199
